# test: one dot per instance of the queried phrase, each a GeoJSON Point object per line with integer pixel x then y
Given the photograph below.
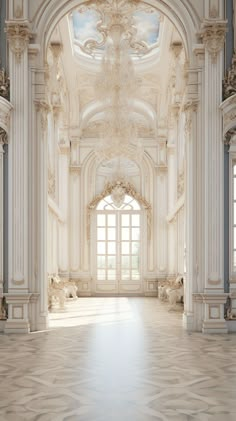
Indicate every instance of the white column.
{"type": "Point", "coordinates": [42, 213]}
{"type": "Point", "coordinates": [172, 237]}
{"type": "Point", "coordinates": [5, 108]}
{"type": "Point", "coordinates": [18, 293]}
{"type": "Point", "coordinates": [2, 141]}
{"type": "Point", "coordinates": [190, 208]}
{"type": "Point", "coordinates": [63, 182]}
{"type": "Point", "coordinates": [213, 34]}
{"type": "Point", "coordinates": [75, 218]}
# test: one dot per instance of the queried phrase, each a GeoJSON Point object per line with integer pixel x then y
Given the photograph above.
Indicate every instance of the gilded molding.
{"type": "Point", "coordinates": [18, 35]}
{"type": "Point", "coordinates": [213, 35]}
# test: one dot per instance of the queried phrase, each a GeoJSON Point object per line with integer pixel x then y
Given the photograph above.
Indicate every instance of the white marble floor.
{"type": "Point", "coordinates": [117, 359]}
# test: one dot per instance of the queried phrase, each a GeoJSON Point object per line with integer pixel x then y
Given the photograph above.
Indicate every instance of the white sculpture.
{"type": "Point", "coordinates": [172, 291]}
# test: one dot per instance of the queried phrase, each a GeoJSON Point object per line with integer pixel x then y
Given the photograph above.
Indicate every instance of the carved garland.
{"type": "Point", "coordinates": [130, 190]}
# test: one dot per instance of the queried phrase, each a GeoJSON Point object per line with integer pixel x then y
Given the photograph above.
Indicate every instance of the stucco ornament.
{"type": "Point", "coordinates": [213, 36]}
{"type": "Point", "coordinates": [229, 83]}
{"type": "Point", "coordinates": [116, 13]}
{"type": "Point", "coordinates": [18, 35]}
{"type": "Point", "coordinates": [118, 194]}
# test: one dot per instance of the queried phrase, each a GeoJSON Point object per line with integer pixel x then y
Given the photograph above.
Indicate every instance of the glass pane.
{"type": "Point", "coordinates": [111, 220]}
{"type": "Point", "coordinates": [135, 205]}
{"type": "Point", "coordinates": [135, 233]}
{"type": "Point", "coordinates": [111, 262]}
{"type": "Point", "coordinates": [125, 262]}
{"type": "Point", "coordinates": [111, 234]}
{"type": "Point", "coordinates": [101, 205]}
{"type": "Point", "coordinates": [135, 262]}
{"type": "Point", "coordinates": [101, 262]}
{"type": "Point", "coordinates": [125, 248]}
{"type": "Point", "coordinates": [234, 169]}
{"type": "Point", "coordinates": [127, 207]}
{"type": "Point", "coordinates": [101, 220]}
{"type": "Point", "coordinates": [135, 275]}
{"type": "Point", "coordinates": [135, 220]}
{"type": "Point", "coordinates": [101, 234]}
{"type": "Point", "coordinates": [135, 248]}
{"type": "Point", "coordinates": [125, 275]}
{"type": "Point", "coordinates": [109, 207]}
{"type": "Point", "coordinates": [101, 275]}
{"type": "Point", "coordinates": [125, 220]}
{"type": "Point", "coordinates": [125, 233]}
{"type": "Point", "coordinates": [234, 259]}
{"type": "Point", "coordinates": [101, 248]}
{"type": "Point", "coordinates": [111, 248]}
{"type": "Point", "coordinates": [128, 199]}
{"type": "Point", "coordinates": [111, 275]}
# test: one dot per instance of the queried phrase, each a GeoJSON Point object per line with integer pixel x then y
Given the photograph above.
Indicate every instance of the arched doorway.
{"type": "Point", "coordinates": [119, 229]}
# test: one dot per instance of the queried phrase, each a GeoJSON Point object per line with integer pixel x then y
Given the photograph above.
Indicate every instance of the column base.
{"type": "Point", "coordinates": [42, 323]}
{"type": "Point", "coordinates": [16, 326]}
{"type": "Point", "coordinates": [188, 322]}
{"type": "Point", "coordinates": [217, 326]}
{"type": "Point", "coordinates": [18, 312]}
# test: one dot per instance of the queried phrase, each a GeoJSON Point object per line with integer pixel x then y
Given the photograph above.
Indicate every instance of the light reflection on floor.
{"type": "Point", "coordinates": [84, 311]}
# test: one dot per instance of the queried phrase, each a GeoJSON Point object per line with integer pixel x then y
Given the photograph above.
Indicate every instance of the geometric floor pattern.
{"type": "Point", "coordinates": [117, 359]}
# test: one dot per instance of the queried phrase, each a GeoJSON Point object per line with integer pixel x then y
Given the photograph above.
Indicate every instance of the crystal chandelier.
{"type": "Point", "coordinates": [115, 88]}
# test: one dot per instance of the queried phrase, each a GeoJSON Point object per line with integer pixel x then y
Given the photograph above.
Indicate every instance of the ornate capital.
{"type": "Point", "coordinates": [213, 36]}
{"type": "Point", "coordinates": [189, 108]}
{"type": "Point", "coordinates": [18, 35]}
{"type": "Point", "coordinates": [44, 109]}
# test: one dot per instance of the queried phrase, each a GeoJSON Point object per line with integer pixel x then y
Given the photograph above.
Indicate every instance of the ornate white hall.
{"type": "Point", "coordinates": [117, 156]}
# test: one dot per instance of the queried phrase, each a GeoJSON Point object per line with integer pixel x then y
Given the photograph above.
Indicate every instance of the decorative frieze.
{"type": "Point", "coordinates": [213, 36]}
{"type": "Point", "coordinates": [18, 35]}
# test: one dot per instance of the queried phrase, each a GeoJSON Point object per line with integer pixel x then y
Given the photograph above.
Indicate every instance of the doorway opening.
{"type": "Point", "coordinates": [118, 267]}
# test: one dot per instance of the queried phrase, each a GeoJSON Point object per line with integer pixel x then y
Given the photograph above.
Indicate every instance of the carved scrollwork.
{"type": "Point", "coordinates": [229, 83]}
{"type": "Point", "coordinates": [112, 15]}
{"type": "Point", "coordinates": [213, 36]}
{"type": "Point", "coordinates": [4, 84]}
{"type": "Point", "coordinates": [44, 109]}
{"type": "Point", "coordinates": [18, 35]}
{"type": "Point", "coordinates": [3, 137]}
{"type": "Point", "coordinates": [229, 136]}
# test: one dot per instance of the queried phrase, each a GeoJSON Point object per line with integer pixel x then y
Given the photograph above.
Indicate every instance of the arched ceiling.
{"type": "Point", "coordinates": [156, 71]}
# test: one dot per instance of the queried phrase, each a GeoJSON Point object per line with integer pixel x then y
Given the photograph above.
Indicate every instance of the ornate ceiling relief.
{"type": "Point", "coordinates": [108, 14]}
{"type": "Point", "coordinates": [18, 35]}
{"type": "Point", "coordinates": [213, 35]}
